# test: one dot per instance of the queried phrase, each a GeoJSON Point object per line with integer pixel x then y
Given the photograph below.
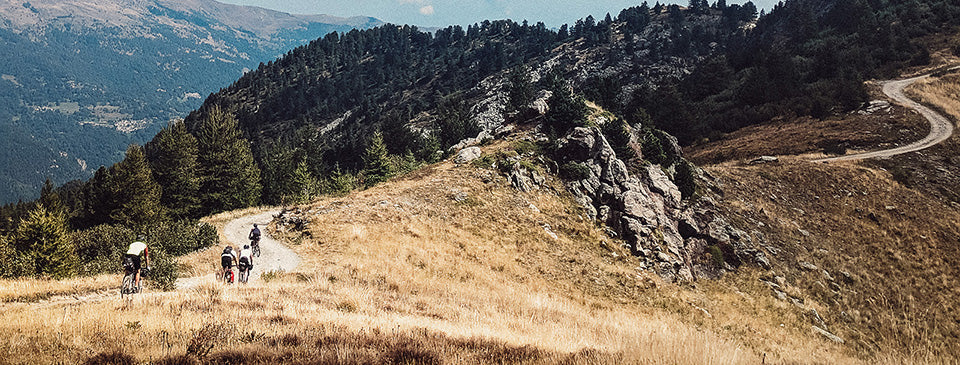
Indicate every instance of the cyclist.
{"type": "Point", "coordinates": [245, 263]}
{"type": "Point", "coordinates": [254, 237]}
{"type": "Point", "coordinates": [131, 260]}
{"type": "Point", "coordinates": [254, 234]}
{"type": "Point", "coordinates": [227, 258]}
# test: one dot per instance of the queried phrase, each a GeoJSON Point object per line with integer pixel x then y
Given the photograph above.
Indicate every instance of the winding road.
{"type": "Point", "coordinates": [941, 128]}
{"type": "Point", "coordinates": [274, 256]}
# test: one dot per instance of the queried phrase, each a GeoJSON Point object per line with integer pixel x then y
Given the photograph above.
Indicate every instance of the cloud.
{"type": "Point", "coordinates": [427, 10]}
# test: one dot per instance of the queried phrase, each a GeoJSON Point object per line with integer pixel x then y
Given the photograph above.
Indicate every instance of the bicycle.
{"type": "Point", "coordinates": [228, 275]}
{"type": "Point", "coordinates": [244, 273]}
{"type": "Point", "coordinates": [128, 285]}
{"type": "Point", "coordinates": [255, 246]}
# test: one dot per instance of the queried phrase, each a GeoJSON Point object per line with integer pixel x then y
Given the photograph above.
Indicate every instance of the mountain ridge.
{"type": "Point", "coordinates": [84, 79]}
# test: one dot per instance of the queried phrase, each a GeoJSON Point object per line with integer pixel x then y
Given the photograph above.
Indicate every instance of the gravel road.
{"type": "Point", "coordinates": [941, 128]}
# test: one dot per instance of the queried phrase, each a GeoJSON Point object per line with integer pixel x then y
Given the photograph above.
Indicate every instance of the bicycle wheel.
{"type": "Point", "coordinates": [126, 287]}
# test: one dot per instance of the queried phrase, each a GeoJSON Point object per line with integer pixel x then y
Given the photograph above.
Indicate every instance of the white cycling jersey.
{"type": "Point", "coordinates": [248, 253]}
{"type": "Point", "coordinates": [136, 248]}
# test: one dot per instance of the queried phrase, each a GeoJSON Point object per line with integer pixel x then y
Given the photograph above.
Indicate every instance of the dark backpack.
{"type": "Point", "coordinates": [128, 264]}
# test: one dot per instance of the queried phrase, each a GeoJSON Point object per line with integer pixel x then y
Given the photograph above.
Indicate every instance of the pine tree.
{"type": "Point", "coordinates": [97, 199]}
{"type": "Point", "coordinates": [566, 111]}
{"type": "Point", "coordinates": [521, 89]}
{"type": "Point", "coordinates": [376, 162]}
{"type": "Point", "coordinates": [306, 185]}
{"type": "Point", "coordinates": [137, 194]}
{"type": "Point", "coordinates": [42, 237]}
{"type": "Point", "coordinates": [50, 198]}
{"type": "Point", "coordinates": [229, 179]}
{"type": "Point", "coordinates": [173, 159]}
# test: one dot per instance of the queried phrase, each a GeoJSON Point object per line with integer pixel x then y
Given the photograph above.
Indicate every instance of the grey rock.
{"type": "Point", "coordinates": [764, 159]}
{"type": "Point", "coordinates": [780, 280]}
{"type": "Point", "coordinates": [525, 181]}
{"type": "Point", "coordinates": [603, 213]}
{"type": "Point", "coordinates": [779, 294]}
{"type": "Point", "coordinates": [832, 337]}
{"type": "Point", "coordinates": [847, 277]}
{"type": "Point", "coordinates": [467, 154]}
{"type": "Point", "coordinates": [539, 103]}
{"type": "Point", "coordinates": [759, 258]}
{"type": "Point", "coordinates": [663, 257]}
{"type": "Point", "coordinates": [808, 266]}
{"type": "Point", "coordinates": [661, 184]}
{"type": "Point", "coordinates": [816, 318]}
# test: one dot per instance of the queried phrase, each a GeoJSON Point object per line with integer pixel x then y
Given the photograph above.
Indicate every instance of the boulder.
{"type": "Point", "coordinates": [659, 183]}
{"type": "Point", "coordinates": [764, 159]}
{"type": "Point", "coordinates": [539, 103]}
{"type": "Point", "coordinates": [467, 154]}
{"type": "Point", "coordinates": [808, 266]}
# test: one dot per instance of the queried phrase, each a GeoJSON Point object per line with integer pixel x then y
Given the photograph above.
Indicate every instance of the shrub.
{"type": "Point", "coordinates": [716, 255]}
{"type": "Point", "coordinates": [43, 237]}
{"type": "Point", "coordinates": [574, 171]}
{"type": "Point", "coordinates": [652, 148]}
{"type": "Point", "coordinates": [13, 264]}
{"type": "Point", "coordinates": [618, 136]}
{"type": "Point", "coordinates": [686, 179]}
{"type": "Point", "coordinates": [163, 270]}
{"type": "Point", "coordinates": [526, 147]}
{"type": "Point", "coordinates": [182, 237]}
{"type": "Point", "coordinates": [100, 248]}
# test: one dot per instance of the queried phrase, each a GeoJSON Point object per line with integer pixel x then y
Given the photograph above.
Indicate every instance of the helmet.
{"type": "Point", "coordinates": [227, 249]}
{"type": "Point", "coordinates": [246, 246]}
{"type": "Point", "coordinates": [254, 225]}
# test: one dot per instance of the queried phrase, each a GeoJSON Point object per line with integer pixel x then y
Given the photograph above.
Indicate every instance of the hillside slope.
{"type": "Point", "coordinates": [872, 245]}
{"type": "Point", "coordinates": [447, 264]}
{"type": "Point", "coordinates": [82, 79]}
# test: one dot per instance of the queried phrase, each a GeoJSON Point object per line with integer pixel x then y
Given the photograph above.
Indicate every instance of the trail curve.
{"type": "Point", "coordinates": [941, 128]}
{"type": "Point", "coordinates": [274, 256]}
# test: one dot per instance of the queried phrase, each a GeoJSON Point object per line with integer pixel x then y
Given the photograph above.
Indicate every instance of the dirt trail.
{"type": "Point", "coordinates": [274, 256]}
{"type": "Point", "coordinates": [941, 128]}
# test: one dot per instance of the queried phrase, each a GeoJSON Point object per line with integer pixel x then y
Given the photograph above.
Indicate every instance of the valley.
{"type": "Point", "coordinates": [671, 185]}
{"type": "Point", "coordinates": [83, 80]}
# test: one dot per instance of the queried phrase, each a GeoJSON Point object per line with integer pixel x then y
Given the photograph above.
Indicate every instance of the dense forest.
{"type": "Point", "coordinates": [350, 110]}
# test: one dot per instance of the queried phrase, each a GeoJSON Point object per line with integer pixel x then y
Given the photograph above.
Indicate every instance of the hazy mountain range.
{"type": "Point", "coordinates": [80, 80]}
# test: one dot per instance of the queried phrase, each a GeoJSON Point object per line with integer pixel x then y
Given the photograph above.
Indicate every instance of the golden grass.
{"type": "Point", "coordinates": [438, 267]}
{"type": "Point", "coordinates": [31, 290]}
{"type": "Point", "coordinates": [898, 244]}
{"type": "Point", "coordinates": [941, 92]}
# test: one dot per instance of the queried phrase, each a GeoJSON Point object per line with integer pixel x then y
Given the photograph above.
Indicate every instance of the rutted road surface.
{"type": "Point", "coordinates": [274, 256]}
{"type": "Point", "coordinates": [941, 128]}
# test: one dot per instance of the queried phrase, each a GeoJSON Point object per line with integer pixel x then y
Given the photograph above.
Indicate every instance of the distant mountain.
{"type": "Point", "coordinates": [80, 79]}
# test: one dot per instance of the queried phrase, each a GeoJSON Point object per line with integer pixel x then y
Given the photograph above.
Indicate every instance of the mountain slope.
{"type": "Point", "coordinates": [83, 79]}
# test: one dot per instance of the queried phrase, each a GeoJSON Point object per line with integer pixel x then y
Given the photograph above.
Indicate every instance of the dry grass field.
{"type": "Point", "coordinates": [435, 267]}
{"type": "Point", "coordinates": [886, 257]}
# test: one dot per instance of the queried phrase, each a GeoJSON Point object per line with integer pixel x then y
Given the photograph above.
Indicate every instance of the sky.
{"type": "Point", "coordinates": [441, 13]}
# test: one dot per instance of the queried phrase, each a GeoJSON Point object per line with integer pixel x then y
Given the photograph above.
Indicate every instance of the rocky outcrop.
{"type": "Point", "coordinates": [467, 154]}
{"type": "Point", "coordinates": [645, 208]}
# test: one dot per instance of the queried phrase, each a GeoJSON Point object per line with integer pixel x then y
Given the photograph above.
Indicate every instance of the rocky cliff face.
{"type": "Point", "coordinates": [680, 240]}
